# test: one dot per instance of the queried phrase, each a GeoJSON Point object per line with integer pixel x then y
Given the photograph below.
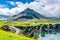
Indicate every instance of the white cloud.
{"type": "Point", "coordinates": [12, 3]}
{"type": "Point", "coordinates": [51, 8]}
{"type": "Point", "coordinates": [4, 11]}
{"type": "Point", "coordinates": [20, 7]}
{"type": "Point", "coordinates": [48, 8]}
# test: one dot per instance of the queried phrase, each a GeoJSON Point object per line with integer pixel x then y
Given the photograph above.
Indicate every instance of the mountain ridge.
{"type": "Point", "coordinates": [27, 14]}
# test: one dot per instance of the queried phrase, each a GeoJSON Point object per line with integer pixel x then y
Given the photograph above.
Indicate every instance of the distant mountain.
{"type": "Point", "coordinates": [3, 17]}
{"type": "Point", "coordinates": [27, 14]}
{"type": "Point", "coordinates": [31, 14]}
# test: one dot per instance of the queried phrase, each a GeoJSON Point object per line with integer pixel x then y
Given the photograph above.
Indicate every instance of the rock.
{"type": "Point", "coordinates": [6, 28]}
{"type": "Point", "coordinates": [15, 30]}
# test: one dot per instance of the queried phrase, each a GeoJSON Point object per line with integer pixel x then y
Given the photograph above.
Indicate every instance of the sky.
{"type": "Point", "coordinates": [48, 8]}
{"type": "Point", "coordinates": [8, 4]}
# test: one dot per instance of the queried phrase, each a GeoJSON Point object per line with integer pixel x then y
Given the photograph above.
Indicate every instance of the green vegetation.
{"type": "Point", "coordinates": [10, 36]}
{"type": "Point", "coordinates": [33, 22]}
{"type": "Point", "coordinates": [25, 24]}
{"type": "Point", "coordinates": [2, 23]}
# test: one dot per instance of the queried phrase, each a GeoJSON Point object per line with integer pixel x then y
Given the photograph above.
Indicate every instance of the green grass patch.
{"type": "Point", "coordinates": [11, 36]}
{"type": "Point", "coordinates": [33, 22]}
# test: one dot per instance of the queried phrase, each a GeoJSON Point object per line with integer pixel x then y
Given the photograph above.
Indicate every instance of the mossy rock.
{"type": "Point", "coordinates": [43, 34]}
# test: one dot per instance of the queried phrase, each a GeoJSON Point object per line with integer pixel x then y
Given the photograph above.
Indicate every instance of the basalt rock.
{"type": "Point", "coordinates": [6, 28]}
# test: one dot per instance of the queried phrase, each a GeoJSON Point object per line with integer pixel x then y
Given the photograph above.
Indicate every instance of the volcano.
{"type": "Point", "coordinates": [27, 14]}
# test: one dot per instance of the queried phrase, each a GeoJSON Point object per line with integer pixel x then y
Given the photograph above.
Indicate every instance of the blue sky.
{"type": "Point", "coordinates": [23, 1]}
{"type": "Point", "coordinates": [48, 8]}
{"type": "Point", "coordinates": [6, 2]}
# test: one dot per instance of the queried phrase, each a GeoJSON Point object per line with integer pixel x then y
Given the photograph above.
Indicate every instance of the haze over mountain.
{"type": "Point", "coordinates": [4, 17]}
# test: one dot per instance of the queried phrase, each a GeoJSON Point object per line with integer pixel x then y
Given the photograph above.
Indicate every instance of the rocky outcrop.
{"type": "Point", "coordinates": [15, 30]}
{"type": "Point", "coordinates": [11, 29]}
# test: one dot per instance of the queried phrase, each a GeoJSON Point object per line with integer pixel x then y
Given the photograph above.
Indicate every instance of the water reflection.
{"type": "Point", "coordinates": [50, 37]}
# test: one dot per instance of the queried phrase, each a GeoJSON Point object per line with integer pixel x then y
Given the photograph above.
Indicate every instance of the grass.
{"type": "Point", "coordinates": [35, 22]}
{"type": "Point", "coordinates": [2, 23]}
{"type": "Point", "coordinates": [29, 22]}
{"type": "Point", "coordinates": [10, 36]}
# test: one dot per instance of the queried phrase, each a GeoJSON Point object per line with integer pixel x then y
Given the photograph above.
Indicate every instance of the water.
{"type": "Point", "coordinates": [50, 37]}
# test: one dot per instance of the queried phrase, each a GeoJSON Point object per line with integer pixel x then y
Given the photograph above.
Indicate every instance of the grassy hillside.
{"type": "Point", "coordinates": [30, 23]}
{"type": "Point", "coordinates": [10, 36]}
{"type": "Point", "coordinates": [33, 22]}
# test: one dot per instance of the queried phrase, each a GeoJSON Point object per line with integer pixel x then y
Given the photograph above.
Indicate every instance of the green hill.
{"type": "Point", "coordinates": [10, 36]}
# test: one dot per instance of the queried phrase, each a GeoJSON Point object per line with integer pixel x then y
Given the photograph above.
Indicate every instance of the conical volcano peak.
{"type": "Point", "coordinates": [27, 14]}
{"type": "Point", "coordinates": [28, 9]}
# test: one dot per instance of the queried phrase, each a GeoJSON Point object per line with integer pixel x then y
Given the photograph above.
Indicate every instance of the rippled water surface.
{"type": "Point", "coordinates": [50, 37]}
